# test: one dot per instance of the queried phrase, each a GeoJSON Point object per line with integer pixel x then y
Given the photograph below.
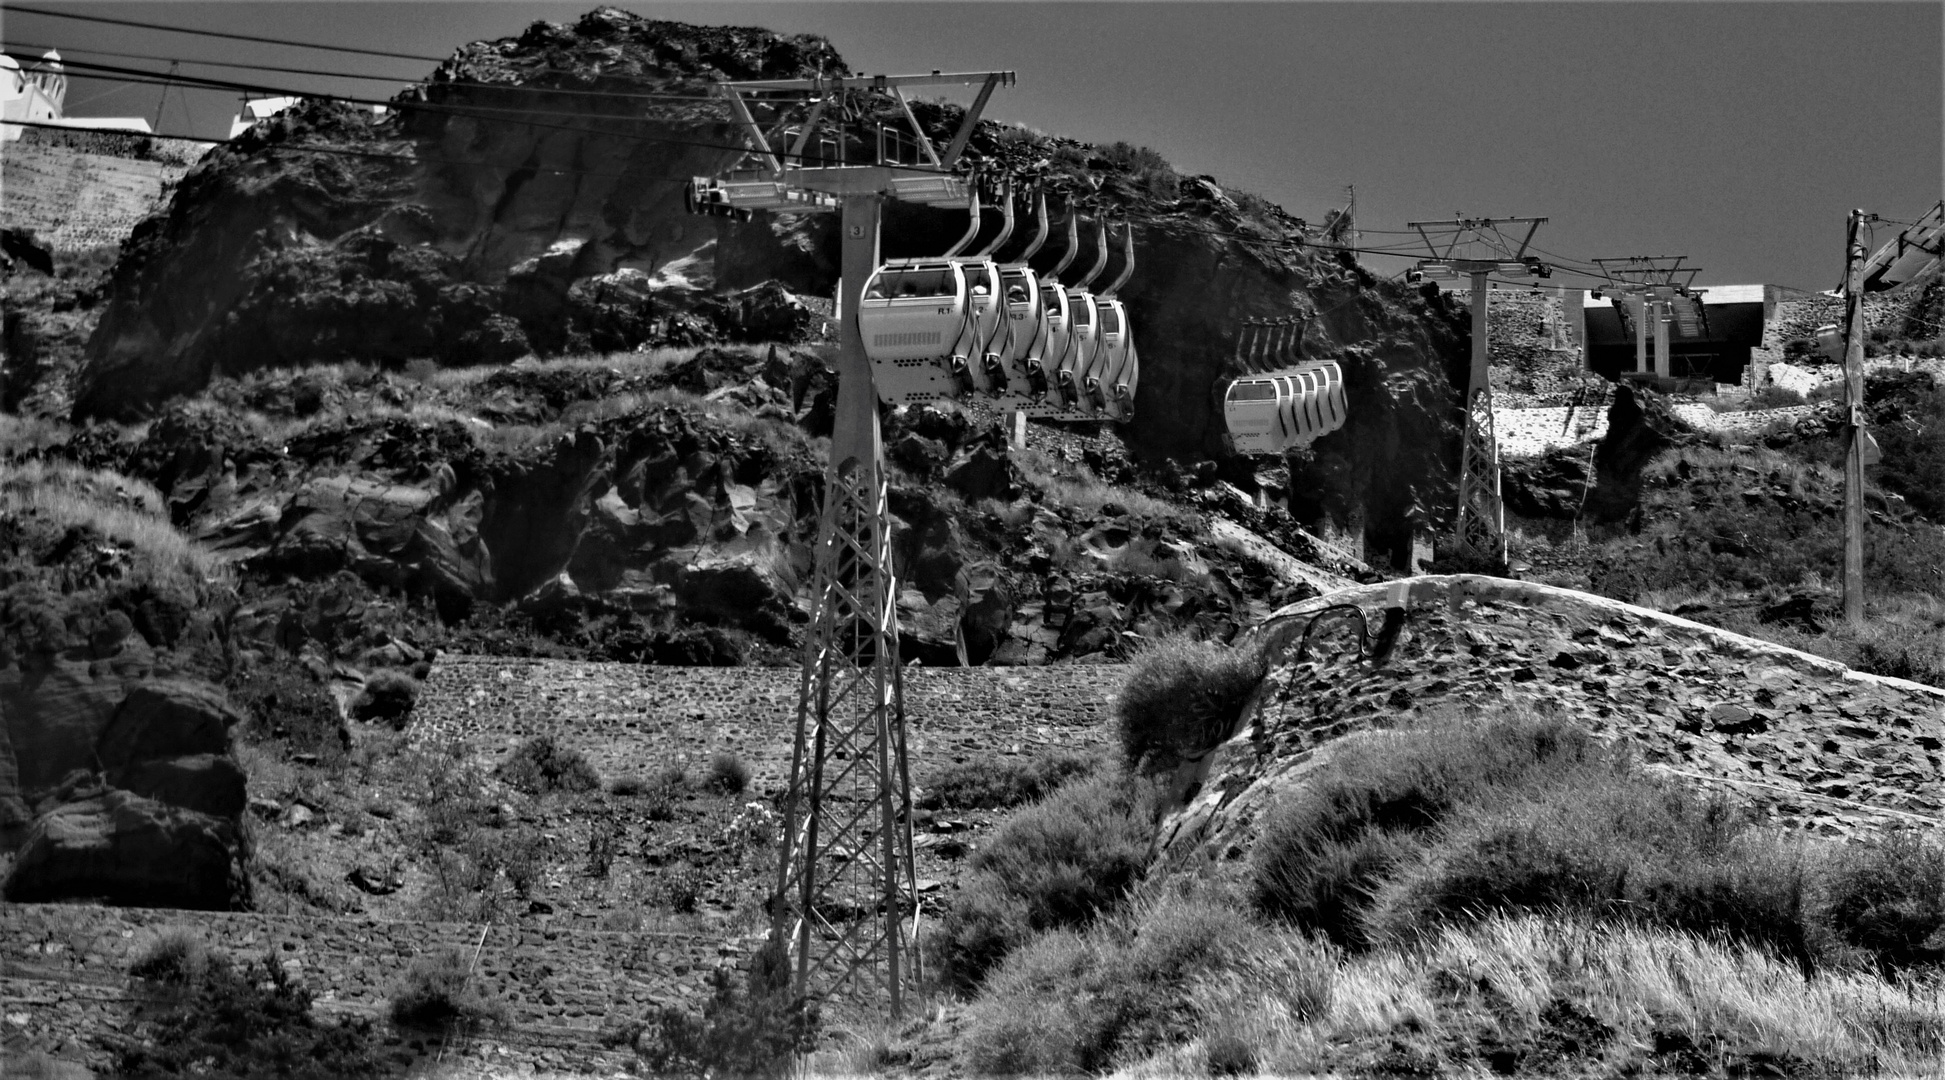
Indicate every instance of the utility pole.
{"type": "Point", "coordinates": [845, 906]}
{"type": "Point", "coordinates": [1854, 255]}
{"type": "Point", "coordinates": [1481, 525]}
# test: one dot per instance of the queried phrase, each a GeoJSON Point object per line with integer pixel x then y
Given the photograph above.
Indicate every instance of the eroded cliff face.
{"type": "Point", "coordinates": [443, 231]}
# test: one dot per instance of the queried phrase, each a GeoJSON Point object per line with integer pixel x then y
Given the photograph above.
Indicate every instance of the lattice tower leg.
{"type": "Point", "coordinates": [1482, 517]}
{"type": "Point", "coordinates": [845, 906]}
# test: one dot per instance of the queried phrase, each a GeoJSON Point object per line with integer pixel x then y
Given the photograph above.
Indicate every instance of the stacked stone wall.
{"type": "Point", "coordinates": [76, 199]}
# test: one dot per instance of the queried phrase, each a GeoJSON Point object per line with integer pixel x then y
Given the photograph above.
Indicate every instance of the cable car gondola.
{"type": "Point", "coordinates": [1111, 380]}
{"type": "Point", "coordinates": [929, 322]}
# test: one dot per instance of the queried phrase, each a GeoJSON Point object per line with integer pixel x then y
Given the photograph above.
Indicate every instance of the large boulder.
{"type": "Point", "coordinates": [211, 784]}
{"type": "Point", "coordinates": [120, 848]}
{"type": "Point", "coordinates": [165, 718]}
{"type": "Point", "coordinates": [51, 716]}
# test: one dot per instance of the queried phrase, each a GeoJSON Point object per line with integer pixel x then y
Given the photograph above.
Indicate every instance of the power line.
{"type": "Point", "coordinates": [224, 34]}
{"type": "Point", "coordinates": [473, 112]}
{"type": "Point", "coordinates": [415, 80]}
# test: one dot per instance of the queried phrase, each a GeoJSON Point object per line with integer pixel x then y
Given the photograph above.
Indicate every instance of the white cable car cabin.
{"type": "Point", "coordinates": [1110, 381]}
{"type": "Point", "coordinates": [1271, 412]}
{"type": "Point", "coordinates": [1077, 362]}
{"type": "Point", "coordinates": [917, 322]}
{"type": "Point", "coordinates": [1020, 292]}
{"type": "Point", "coordinates": [1049, 345]}
{"type": "Point", "coordinates": [989, 323]}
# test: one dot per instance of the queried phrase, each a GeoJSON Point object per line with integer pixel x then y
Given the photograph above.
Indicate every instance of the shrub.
{"type": "Point", "coordinates": [1775, 397]}
{"type": "Point", "coordinates": [1323, 853]}
{"type": "Point", "coordinates": [728, 775]}
{"type": "Point", "coordinates": [286, 703]}
{"type": "Point", "coordinates": [389, 696]}
{"type": "Point", "coordinates": [1056, 863]}
{"type": "Point", "coordinates": [628, 787]}
{"type": "Point", "coordinates": [754, 1031]}
{"type": "Point", "coordinates": [1611, 844]}
{"type": "Point", "coordinates": [231, 1024]}
{"type": "Point", "coordinates": [1084, 1001]}
{"type": "Point", "coordinates": [539, 767]}
{"type": "Point", "coordinates": [682, 887]}
{"type": "Point", "coordinates": [1183, 698]}
{"type": "Point", "coordinates": [999, 783]}
{"type": "Point", "coordinates": [437, 993]}
{"type": "Point", "coordinates": [175, 956]}
{"type": "Point", "coordinates": [1885, 898]}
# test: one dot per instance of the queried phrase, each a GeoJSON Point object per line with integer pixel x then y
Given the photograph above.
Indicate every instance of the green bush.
{"type": "Point", "coordinates": [754, 1031]}
{"type": "Point", "coordinates": [1884, 897]}
{"type": "Point", "coordinates": [284, 702]}
{"type": "Point", "coordinates": [1183, 698]}
{"type": "Point", "coordinates": [1324, 853]}
{"type": "Point", "coordinates": [1775, 397]}
{"type": "Point", "coordinates": [1056, 863]}
{"type": "Point", "coordinates": [248, 1024]}
{"type": "Point", "coordinates": [539, 767]}
{"type": "Point", "coordinates": [1457, 819]}
{"type": "Point", "coordinates": [728, 775]}
{"type": "Point", "coordinates": [437, 994]}
{"type": "Point", "coordinates": [1610, 844]}
{"type": "Point", "coordinates": [1086, 1001]}
{"type": "Point", "coordinates": [389, 696]}
{"type": "Point", "coordinates": [175, 956]}
{"type": "Point", "coordinates": [999, 783]}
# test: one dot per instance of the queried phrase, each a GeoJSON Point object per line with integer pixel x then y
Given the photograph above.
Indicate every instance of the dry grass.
{"type": "Point", "coordinates": [26, 434]}
{"type": "Point", "coordinates": [1638, 981]}
{"type": "Point", "coordinates": [118, 507]}
{"type": "Point", "coordinates": [647, 362]}
{"type": "Point", "coordinates": [1076, 486]}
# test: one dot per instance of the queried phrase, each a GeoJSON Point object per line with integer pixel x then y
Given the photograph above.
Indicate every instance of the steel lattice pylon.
{"type": "Point", "coordinates": [1482, 517]}
{"type": "Point", "coordinates": [845, 888]}
{"type": "Point", "coordinates": [845, 904]}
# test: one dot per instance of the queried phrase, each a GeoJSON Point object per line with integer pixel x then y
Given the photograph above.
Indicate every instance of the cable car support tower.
{"type": "Point", "coordinates": [845, 905]}
{"type": "Point", "coordinates": [1481, 526]}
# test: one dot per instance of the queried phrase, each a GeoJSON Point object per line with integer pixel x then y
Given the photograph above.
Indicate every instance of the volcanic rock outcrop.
{"type": "Point", "coordinates": [1807, 741]}
{"type": "Point", "coordinates": [459, 230]}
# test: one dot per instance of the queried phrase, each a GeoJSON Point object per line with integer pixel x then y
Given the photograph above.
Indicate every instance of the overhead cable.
{"type": "Point", "coordinates": [477, 112]}
{"type": "Point", "coordinates": [24, 9]}
{"type": "Point", "coordinates": [413, 80]}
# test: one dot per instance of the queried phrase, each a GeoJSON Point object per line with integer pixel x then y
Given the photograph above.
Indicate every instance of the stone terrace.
{"type": "Point", "coordinates": [630, 719]}
{"type": "Point", "coordinates": [61, 966]}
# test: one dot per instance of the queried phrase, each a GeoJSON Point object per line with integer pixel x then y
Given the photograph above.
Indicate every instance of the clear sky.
{"type": "Point", "coordinates": [1738, 134]}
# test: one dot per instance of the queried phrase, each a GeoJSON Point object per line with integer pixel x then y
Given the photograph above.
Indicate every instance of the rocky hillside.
{"type": "Point", "coordinates": [455, 231]}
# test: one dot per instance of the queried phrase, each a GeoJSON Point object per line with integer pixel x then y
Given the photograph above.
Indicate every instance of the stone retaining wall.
{"type": "Point", "coordinates": [74, 201]}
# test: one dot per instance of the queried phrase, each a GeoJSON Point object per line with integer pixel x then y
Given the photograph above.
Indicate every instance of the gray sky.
{"type": "Point", "coordinates": [1739, 134]}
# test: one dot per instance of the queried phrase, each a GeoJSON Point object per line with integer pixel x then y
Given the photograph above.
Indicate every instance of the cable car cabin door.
{"type": "Point", "coordinates": [988, 315]}
{"type": "Point", "coordinates": [1079, 358]}
{"type": "Point", "coordinates": [914, 318]}
{"type": "Point", "coordinates": [1043, 360]}
{"type": "Point", "coordinates": [1253, 410]}
{"type": "Point", "coordinates": [1025, 329]}
{"type": "Point", "coordinates": [1110, 355]}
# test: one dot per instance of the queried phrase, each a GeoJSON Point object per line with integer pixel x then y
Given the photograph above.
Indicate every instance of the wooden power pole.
{"type": "Point", "coordinates": [1854, 255]}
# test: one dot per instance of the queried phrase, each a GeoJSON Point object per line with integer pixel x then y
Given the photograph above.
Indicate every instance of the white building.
{"type": "Point", "coordinates": [37, 93]}
{"type": "Point", "coordinates": [255, 109]}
